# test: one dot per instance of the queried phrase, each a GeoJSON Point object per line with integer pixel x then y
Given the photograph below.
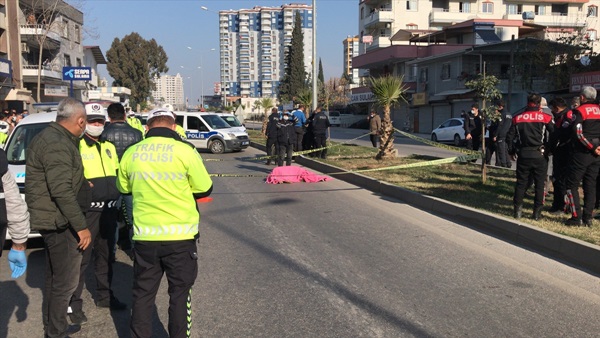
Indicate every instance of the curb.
{"type": "Point", "coordinates": [570, 250]}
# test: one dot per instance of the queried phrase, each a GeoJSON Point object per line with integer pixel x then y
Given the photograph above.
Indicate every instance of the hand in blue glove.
{"type": "Point", "coordinates": [18, 262]}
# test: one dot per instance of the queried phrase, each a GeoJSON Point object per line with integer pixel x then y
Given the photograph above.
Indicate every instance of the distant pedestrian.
{"type": "Point", "coordinates": [529, 131]}
{"type": "Point", "coordinates": [374, 128]}
{"type": "Point", "coordinates": [320, 126]}
{"type": "Point", "coordinates": [165, 175]}
{"type": "Point", "coordinates": [271, 134]}
{"type": "Point", "coordinates": [58, 195]}
{"type": "Point", "coordinates": [585, 163]}
{"type": "Point", "coordinates": [286, 138]}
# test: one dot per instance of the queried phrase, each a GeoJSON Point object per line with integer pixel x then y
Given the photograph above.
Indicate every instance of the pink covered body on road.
{"type": "Point", "coordinates": [292, 174]}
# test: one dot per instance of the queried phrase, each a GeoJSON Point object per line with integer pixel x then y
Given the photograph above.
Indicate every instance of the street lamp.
{"type": "Point", "coordinates": [221, 68]}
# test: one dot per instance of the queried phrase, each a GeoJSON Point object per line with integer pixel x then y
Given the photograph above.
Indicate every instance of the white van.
{"type": "Point", "coordinates": [211, 132]}
{"type": "Point", "coordinates": [334, 118]}
{"type": "Point", "coordinates": [233, 121]}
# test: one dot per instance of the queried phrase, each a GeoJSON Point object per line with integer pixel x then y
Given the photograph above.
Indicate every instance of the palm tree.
{"type": "Point", "coordinates": [266, 103]}
{"type": "Point", "coordinates": [388, 91]}
{"type": "Point", "coordinates": [305, 97]}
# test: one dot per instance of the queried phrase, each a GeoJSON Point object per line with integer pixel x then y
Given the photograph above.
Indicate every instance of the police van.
{"type": "Point", "coordinates": [209, 131]}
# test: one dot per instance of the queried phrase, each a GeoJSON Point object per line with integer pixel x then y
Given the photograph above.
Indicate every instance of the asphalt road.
{"type": "Point", "coordinates": [332, 260]}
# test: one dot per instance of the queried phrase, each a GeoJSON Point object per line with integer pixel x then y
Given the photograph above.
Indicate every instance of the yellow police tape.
{"type": "Point", "coordinates": [464, 158]}
{"type": "Point", "coordinates": [304, 152]}
{"type": "Point", "coordinates": [438, 145]}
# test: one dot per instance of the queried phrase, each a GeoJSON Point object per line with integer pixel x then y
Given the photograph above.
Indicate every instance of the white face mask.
{"type": "Point", "coordinates": [286, 117]}
{"type": "Point", "coordinates": [94, 131]}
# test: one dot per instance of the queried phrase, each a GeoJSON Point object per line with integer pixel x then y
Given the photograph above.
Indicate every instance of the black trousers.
{"type": "Point", "coordinates": [272, 144]}
{"type": "Point", "coordinates": [285, 150]}
{"type": "Point", "coordinates": [299, 137]}
{"type": "Point", "coordinates": [560, 171]}
{"type": "Point", "coordinates": [473, 143]}
{"type": "Point", "coordinates": [103, 227]}
{"type": "Point", "coordinates": [490, 149]}
{"type": "Point", "coordinates": [321, 141]}
{"type": "Point", "coordinates": [502, 156]}
{"type": "Point", "coordinates": [63, 261]}
{"type": "Point", "coordinates": [179, 260]}
{"type": "Point", "coordinates": [535, 168]}
{"type": "Point", "coordinates": [583, 167]}
{"type": "Point", "coordinates": [374, 139]}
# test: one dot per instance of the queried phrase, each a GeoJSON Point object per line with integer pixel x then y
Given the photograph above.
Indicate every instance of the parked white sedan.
{"type": "Point", "coordinates": [451, 131]}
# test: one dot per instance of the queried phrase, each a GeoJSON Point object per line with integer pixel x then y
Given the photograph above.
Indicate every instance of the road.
{"type": "Point", "coordinates": [332, 260]}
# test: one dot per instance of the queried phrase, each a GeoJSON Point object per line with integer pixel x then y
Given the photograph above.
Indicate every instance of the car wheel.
{"type": "Point", "coordinates": [434, 137]}
{"type": "Point", "coordinates": [457, 140]}
{"type": "Point", "coordinates": [217, 147]}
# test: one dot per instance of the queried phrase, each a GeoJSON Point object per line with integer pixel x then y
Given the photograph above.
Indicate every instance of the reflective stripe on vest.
{"type": "Point", "coordinates": [173, 231]}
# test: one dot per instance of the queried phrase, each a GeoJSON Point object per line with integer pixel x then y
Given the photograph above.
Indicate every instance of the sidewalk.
{"type": "Point", "coordinates": [569, 250]}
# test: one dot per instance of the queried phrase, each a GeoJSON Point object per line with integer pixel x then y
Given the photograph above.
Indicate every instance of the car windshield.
{"type": "Point", "coordinates": [215, 122]}
{"type": "Point", "coordinates": [20, 140]}
{"type": "Point", "coordinates": [232, 120]}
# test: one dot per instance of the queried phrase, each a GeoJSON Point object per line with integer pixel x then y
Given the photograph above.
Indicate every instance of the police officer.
{"type": "Point", "coordinates": [100, 164]}
{"type": "Point", "coordinates": [165, 175]}
{"type": "Point", "coordinates": [271, 134]}
{"type": "Point", "coordinates": [320, 124]}
{"type": "Point", "coordinates": [530, 129]}
{"type": "Point", "coordinates": [560, 146]}
{"type": "Point", "coordinates": [585, 163]}
{"type": "Point", "coordinates": [286, 138]}
{"type": "Point", "coordinates": [503, 128]}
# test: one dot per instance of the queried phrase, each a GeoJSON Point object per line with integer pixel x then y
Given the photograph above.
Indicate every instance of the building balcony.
{"type": "Point", "coordinates": [51, 74]}
{"type": "Point", "coordinates": [379, 17]}
{"type": "Point", "coordinates": [224, 25]}
{"type": "Point", "coordinates": [444, 16]}
{"type": "Point", "coordinates": [379, 42]}
{"type": "Point", "coordinates": [31, 34]}
{"type": "Point", "coordinates": [561, 20]}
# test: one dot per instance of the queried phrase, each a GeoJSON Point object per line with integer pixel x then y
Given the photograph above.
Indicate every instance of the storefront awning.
{"type": "Point", "coordinates": [454, 92]}
{"type": "Point", "coordinates": [19, 95]}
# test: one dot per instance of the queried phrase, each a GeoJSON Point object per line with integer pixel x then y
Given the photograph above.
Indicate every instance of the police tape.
{"type": "Point", "coordinates": [457, 159]}
{"type": "Point", "coordinates": [303, 152]}
{"type": "Point", "coordinates": [438, 145]}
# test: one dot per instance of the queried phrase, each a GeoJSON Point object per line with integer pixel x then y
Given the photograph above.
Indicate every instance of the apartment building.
{"type": "Point", "coordinates": [253, 47]}
{"type": "Point", "coordinates": [390, 22]}
{"type": "Point", "coordinates": [351, 49]}
{"type": "Point", "coordinates": [169, 90]}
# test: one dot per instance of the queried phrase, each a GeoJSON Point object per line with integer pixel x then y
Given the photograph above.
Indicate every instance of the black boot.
{"type": "Point", "coordinates": [518, 212]}
{"type": "Point", "coordinates": [537, 213]}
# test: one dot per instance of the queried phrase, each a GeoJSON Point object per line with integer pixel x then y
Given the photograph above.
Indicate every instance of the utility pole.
{"type": "Point", "coordinates": [314, 56]}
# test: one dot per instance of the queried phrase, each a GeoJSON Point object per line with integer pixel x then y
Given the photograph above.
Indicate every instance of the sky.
{"type": "Point", "coordinates": [188, 34]}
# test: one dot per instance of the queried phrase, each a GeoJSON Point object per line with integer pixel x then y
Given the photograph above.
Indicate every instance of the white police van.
{"type": "Point", "coordinates": [211, 132]}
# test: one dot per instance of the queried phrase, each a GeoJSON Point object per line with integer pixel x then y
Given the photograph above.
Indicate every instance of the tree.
{"type": "Point", "coordinates": [134, 62]}
{"type": "Point", "coordinates": [305, 97]}
{"type": "Point", "coordinates": [266, 103]}
{"type": "Point", "coordinates": [388, 91]}
{"type": "Point", "coordinates": [486, 90]}
{"type": "Point", "coordinates": [294, 77]}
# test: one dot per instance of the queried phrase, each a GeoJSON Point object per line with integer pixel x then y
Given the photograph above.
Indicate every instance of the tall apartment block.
{"type": "Point", "coordinates": [351, 49]}
{"type": "Point", "coordinates": [169, 89]}
{"type": "Point", "coordinates": [393, 22]}
{"type": "Point", "coordinates": [253, 47]}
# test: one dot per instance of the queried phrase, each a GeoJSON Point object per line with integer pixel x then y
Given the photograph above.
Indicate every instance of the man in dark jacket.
{"type": "Point", "coordinates": [57, 193]}
{"type": "Point", "coordinates": [118, 132]}
{"type": "Point", "coordinates": [320, 125]}
{"type": "Point", "coordinates": [502, 157]}
{"type": "Point", "coordinates": [286, 138]}
{"type": "Point", "coordinates": [560, 147]}
{"type": "Point", "coordinates": [122, 136]}
{"type": "Point", "coordinates": [271, 134]}
{"type": "Point", "coordinates": [472, 128]}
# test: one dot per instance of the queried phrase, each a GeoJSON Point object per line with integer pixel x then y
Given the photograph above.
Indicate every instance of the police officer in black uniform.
{"type": "Point", "coordinates": [502, 157]}
{"type": "Point", "coordinates": [472, 126]}
{"type": "Point", "coordinates": [320, 125]}
{"type": "Point", "coordinates": [560, 147]}
{"type": "Point", "coordinates": [585, 163]}
{"type": "Point", "coordinates": [530, 129]}
{"type": "Point", "coordinates": [271, 134]}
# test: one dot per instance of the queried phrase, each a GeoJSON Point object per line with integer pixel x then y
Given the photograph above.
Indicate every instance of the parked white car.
{"type": "Point", "coordinates": [451, 131]}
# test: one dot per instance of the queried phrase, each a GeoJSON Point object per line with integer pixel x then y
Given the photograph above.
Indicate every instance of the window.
{"type": "Point", "coordinates": [464, 7]}
{"type": "Point", "coordinates": [194, 123]}
{"type": "Point", "coordinates": [593, 11]}
{"type": "Point", "coordinates": [79, 64]}
{"type": "Point", "coordinates": [591, 35]}
{"type": "Point", "coordinates": [77, 34]}
{"type": "Point", "coordinates": [65, 28]}
{"type": "Point", "coordinates": [487, 7]}
{"type": "Point", "coordinates": [514, 9]}
{"type": "Point", "coordinates": [411, 5]}
{"type": "Point", "coordinates": [424, 76]}
{"type": "Point", "coordinates": [445, 71]}
{"type": "Point", "coordinates": [67, 61]}
{"type": "Point", "coordinates": [362, 13]}
{"type": "Point", "coordinates": [412, 26]}
{"type": "Point", "coordinates": [540, 10]}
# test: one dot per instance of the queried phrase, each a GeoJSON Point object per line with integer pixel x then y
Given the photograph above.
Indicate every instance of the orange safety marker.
{"type": "Point", "coordinates": [204, 200]}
